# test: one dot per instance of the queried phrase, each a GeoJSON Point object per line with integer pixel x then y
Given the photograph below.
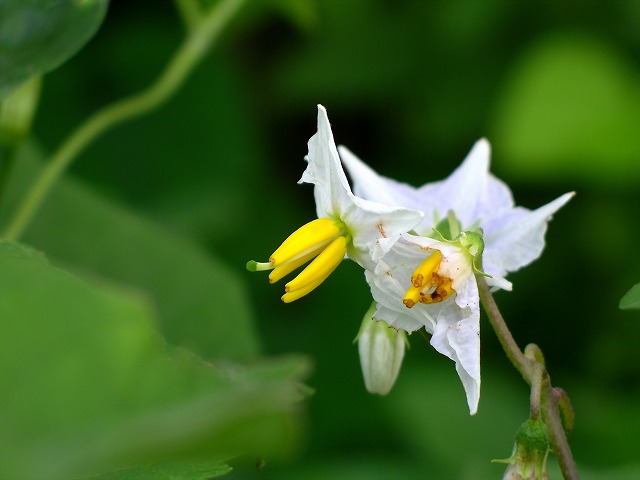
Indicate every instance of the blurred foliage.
{"type": "Point", "coordinates": [37, 36]}
{"type": "Point", "coordinates": [169, 207]}
{"type": "Point", "coordinates": [87, 383]}
{"type": "Point", "coordinates": [631, 299]}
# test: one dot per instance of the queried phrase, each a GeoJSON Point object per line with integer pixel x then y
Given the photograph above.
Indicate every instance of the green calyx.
{"type": "Point", "coordinates": [449, 230]}
{"type": "Point", "coordinates": [533, 436]}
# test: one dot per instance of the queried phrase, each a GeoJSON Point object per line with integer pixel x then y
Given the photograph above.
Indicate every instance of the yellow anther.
{"type": "Point", "coordinates": [323, 238]}
{"type": "Point", "coordinates": [427, 286]}
{"type": "Point", "coordinates": [309, 237]}
{"type": "Point", "coordinates": [424, 273]}
{"type": "Point", "coordinates": [442, 292]}
{"type": "Point", "coordinates": [411, 297]}
{"type": "Point", "coordinates": [288, 267]}
{"type": "Point", "coordinates": [296, 294]}
{"type": "Point", "coordinates": [321, 267]}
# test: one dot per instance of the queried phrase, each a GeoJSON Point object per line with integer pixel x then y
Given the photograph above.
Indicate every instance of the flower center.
{"type": "Point", "coordinates": [427, 285]}
{"type": "Point", "coordinates": [323, 240]}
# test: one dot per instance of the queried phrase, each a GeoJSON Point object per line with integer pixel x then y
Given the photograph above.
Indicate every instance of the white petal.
{"type": "Point", "coordinates": [388, 287]}
{"type": "Point", "coordinates": [459, 339]}
{"type": "Point", "coordinates": [457, 319]}
{"type": "Point", "coordinates": [369, 185]}
{"type": "Point", "coordinates": [516, 238]}
{"type": "Point", "coordinates": [470, 191]}
{"type": "Point", "coordinates": [332, 192]}
{"type": "Point", "coordinates": [374, 226]}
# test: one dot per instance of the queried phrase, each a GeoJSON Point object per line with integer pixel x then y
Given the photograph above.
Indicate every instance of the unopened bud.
{"type": "Point", "coordinates": [530, 452]}
{"type": "Point", "coordinates": [381, 352]}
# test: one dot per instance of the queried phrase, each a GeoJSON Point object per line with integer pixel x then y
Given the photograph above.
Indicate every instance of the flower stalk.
{"type": "Point", "coordinates": [545, 399]}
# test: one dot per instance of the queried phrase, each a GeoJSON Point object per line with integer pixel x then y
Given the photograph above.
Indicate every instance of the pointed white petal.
{"type": "Point", "coordinates": [374, 226]}
{"type": "Point", "coordinates": [516, 238]}
{"type": "Point", "coordinates": [369, 185]}
{"type": "Point", "coordinates": [459, 339]}
{"type": "Point", "coordinates": [470, 191]}
{"type": "Point", "coordinates": [332, 192]}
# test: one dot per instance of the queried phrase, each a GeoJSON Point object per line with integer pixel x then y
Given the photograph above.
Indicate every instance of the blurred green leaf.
{"type": "Point", "coordinates": [170, 471]}
{"type": "Point", "coordinates": [38, 35]}
{"type": "Point", "coordinates": [201, 303]}
{"type": "Point", "coordinates": [631, 299]}
{"type": "Point", "coordinates": [571, 109]}
{"type": "Point", "coordinates": [88, 385]}
{"type": "Point", "coordinates": [302, 13]}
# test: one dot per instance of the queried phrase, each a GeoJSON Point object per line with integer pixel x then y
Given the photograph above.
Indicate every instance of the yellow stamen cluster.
{"type": "Point", "coordinates": [427, 286]}
{"type": "Point", "coordinates": [323, 240]}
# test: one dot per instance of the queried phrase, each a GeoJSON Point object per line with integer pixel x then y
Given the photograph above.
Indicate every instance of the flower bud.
{"type": "Point", "coordinates": [530, 452]}
{"type": "Point", "coordinates": [381, 352]}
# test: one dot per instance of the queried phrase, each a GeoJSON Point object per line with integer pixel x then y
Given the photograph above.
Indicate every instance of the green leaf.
{"type": "Point", "coordinates": [89, 387]}
{"type": "Point", "coordinates": [631, 299]}
{"type": "Point", "coordinates": [38, 35]}
{"type": "Point", "coordinates": [170, 471]}
{"type": "Point", "coordinates": [570, 111]}
{"type": "Point", "coordinates": [201, 302]}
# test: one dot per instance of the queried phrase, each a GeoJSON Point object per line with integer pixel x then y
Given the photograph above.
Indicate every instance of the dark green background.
{"type": "Point", "coordinates": [409, 87]}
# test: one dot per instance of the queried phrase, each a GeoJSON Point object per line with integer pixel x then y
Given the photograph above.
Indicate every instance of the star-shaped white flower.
{"type": "Point", "coordinates": [364, 230]}
{"type": "Point", "coordinates": [430, 282]}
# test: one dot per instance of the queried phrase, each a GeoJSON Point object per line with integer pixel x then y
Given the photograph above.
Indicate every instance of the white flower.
{"type": "Point", "coordinates": [364, 230]}
{"type": "Point", "coordinates": [430, 282]}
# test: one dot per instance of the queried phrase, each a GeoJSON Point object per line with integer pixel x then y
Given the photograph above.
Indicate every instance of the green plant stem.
{"type": "Point", "coordinates": [535, 400]}
{"type": "Point", "coordinates": [535, 374]}
{"type": "Point", "coordinates": [551, 417]}
{"type": "Point", "coordinates": [515, 355]}
{"type": "Point", "coordinates": [534, 354]}
{"type": "Point", "coordinates": [195, 46]}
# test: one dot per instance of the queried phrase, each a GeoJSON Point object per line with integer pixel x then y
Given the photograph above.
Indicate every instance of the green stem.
{"type": "Point", "coordinates": [534, 354]}
{"type": "Point", "coordinates": [509, 345]}
{"type": "Point", "coordinates": [532, 368]}
{"type": "Point", "coordinates": [551, 416]}
{"type": "Point", "coordinates": [195, 46]}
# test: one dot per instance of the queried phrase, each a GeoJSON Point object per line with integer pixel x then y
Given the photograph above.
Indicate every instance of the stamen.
{"type": "Point", "coordinates": [423, 274]}
{"type": "Point", "coordinates": [313, 234]}
{"type": "Point", "coordinates": [323, 238]}
{"type": "Point", "coordinates": [442, 292]}
{"type": "Point", "coordinates": [288, 267]}
{"type": "Point", "coordinates": [321, 267]}
{"type": "Point", "coordinates": [427, 286]}
{"type": "Point", "coordinates": [411, 297]}
{"type": "Point", "coordinates": [296, 294]}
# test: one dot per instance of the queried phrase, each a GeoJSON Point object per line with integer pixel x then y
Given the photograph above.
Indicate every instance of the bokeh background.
{"type": "Point", "coordinates": [409, 86]}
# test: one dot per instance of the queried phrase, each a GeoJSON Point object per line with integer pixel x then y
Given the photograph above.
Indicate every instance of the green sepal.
{"type": "Point", "coordinates": [470, 240]}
